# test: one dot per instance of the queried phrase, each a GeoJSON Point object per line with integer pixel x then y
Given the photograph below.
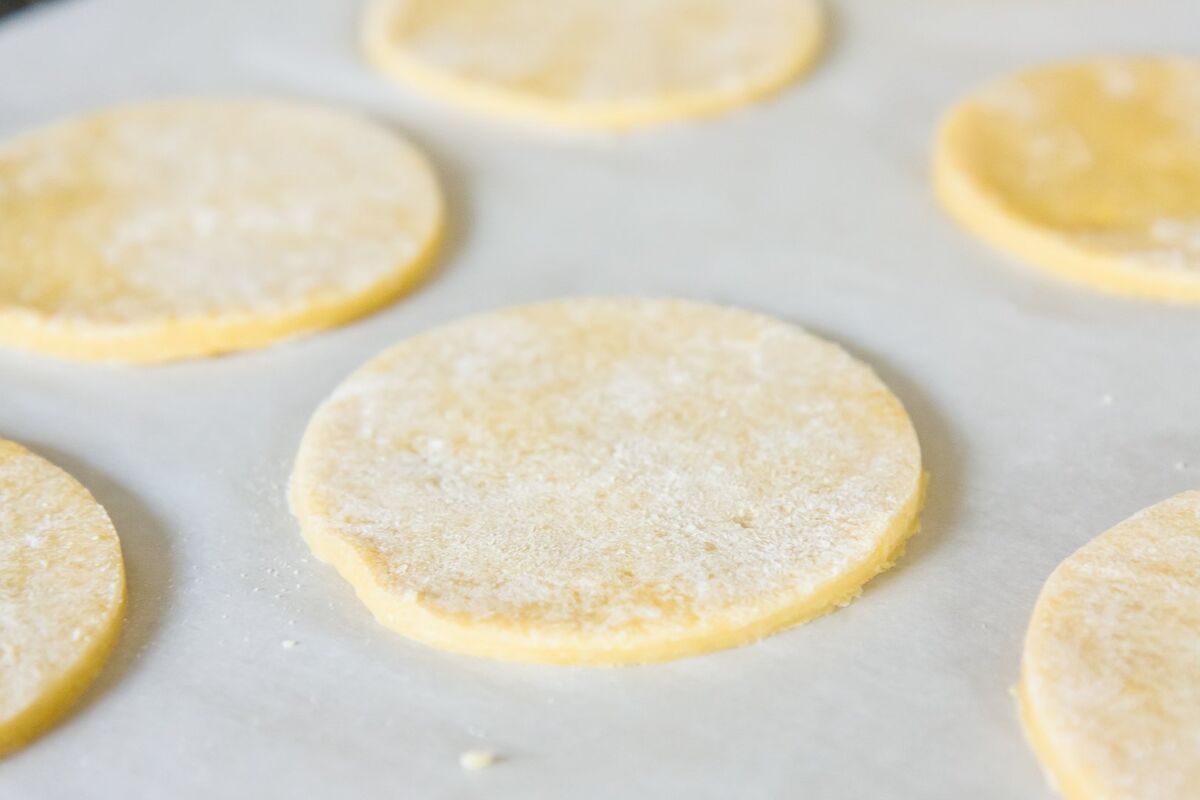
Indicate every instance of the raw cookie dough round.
{"type": "Point", "coordinates": [608, 481]}
{"type": "Point", "coordinates": [1110, 680]}
{"type": "Point", "coordinates": [594, 63]}
{"type": "Point", "coordinates": [62, 592]}
{"type": "Point", "coordinates": [184, 228]}
{"type": "Point", "coordinates": [1089, 170]}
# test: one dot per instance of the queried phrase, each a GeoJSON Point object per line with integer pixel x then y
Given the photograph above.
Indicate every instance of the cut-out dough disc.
{"type": "Point", "coordinates": [62, 592]}
{"type": "Point", "coordinates": [1089, 170]}
{"type": "Point", "coordinates": [1110, 680]}
{"type": "Point", "coordinates": [594, 63]}
{"type": "Point", "coordinates": [608, 481]}
{"type": "Point", "coordinates": [191, 227]}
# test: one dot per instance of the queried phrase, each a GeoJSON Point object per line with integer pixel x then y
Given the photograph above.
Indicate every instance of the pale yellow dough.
{"type": "Point", "coordinates": [62, 592]}
{"type": "Point", "coordinates": [1090, 170]}
{"type": "Point", "coordinates": [185, 228]}
{"type": "Point", "coordinates": [1110, 680]}
{"type": "Point", "coordinates": [594, 63]}
{"type": "Point", "coordinates": [608, 481]}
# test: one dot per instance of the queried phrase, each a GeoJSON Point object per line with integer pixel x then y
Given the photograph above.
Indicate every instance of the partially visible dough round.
{"type": "Point", "coordinates": [608, 481]}
{"type": "Point", "coordinates": [62, 592]}
{"type": "Point", "coordinates": [594, 63]}
{"type": "Point", "coordinates": [1090, 170]}
{"type": "Point", "coordinates": [184, 228]}
{"type": "Point", "coordinates": [1110, 680]}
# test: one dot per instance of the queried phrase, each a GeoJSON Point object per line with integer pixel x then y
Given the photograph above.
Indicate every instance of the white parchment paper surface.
{"type": "Point", "coordinates": [1047, 414]}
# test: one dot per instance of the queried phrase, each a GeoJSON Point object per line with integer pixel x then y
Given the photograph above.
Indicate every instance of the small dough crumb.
{"type": "Point", "coordinates": [288, 644]}
{"type": "Point", "coordinates": [477, 759]}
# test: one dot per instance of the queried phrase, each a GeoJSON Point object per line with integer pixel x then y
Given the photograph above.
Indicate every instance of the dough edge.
{"type": "Point", "coordinates": [456, 633]}
{"type": "Point", "coordinates": [180, 338]}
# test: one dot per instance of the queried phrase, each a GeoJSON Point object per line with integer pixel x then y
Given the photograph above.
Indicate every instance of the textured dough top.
{"type": "Point", "coordinates": [62, 581]}
{"type": "Point", "coordinates": [602, 62]}
{"type": "Point", "coordinates": [597, 468]}
{"type": "Point", "coordinates": [141, 217]}
{"type": "Point", "coordinates": [1111, 673]}
{"type": "Point", "coordinates": [1105, 153]}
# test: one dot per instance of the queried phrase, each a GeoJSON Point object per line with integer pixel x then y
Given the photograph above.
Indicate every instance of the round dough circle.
{"type": "Point", "coordinates": [62, 592]}
{"type": "Point", "coordinates": [1110, 679]}
{"type": "Point", "coordinates": [595, 63]}
{"type": "Point", "coordinates": [185, 228]}
{"type": "Point", "coordinates": [1089, 170]}
{"type": "Point", "coordinates": [608, 481]}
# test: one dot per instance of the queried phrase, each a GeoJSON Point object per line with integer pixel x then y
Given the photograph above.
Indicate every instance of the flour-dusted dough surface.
{"type": "Point", "coordinates": [184, 228]}
{"type": "Point", "coordinates": [1110, 680]}
{"type": "Point", "coordinates": [608, 481]}
{"type": "Point", "coordinates": [594, 63]}
{"type": "Point", "coordinates": [1090, 170]}
{"type": "Point", "coordinates": [62, 592]}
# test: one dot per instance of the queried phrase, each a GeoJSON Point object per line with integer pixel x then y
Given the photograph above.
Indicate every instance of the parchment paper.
{"type": "Point", "coordinates": [1047, 413]}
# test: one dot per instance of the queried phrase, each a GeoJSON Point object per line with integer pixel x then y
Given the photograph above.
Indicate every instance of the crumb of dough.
{"type": "Point", "coordinates": [477, 759]}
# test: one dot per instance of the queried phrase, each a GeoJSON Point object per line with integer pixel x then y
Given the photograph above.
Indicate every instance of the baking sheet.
{"type": "Point", "coordinates": [1046, 413]}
